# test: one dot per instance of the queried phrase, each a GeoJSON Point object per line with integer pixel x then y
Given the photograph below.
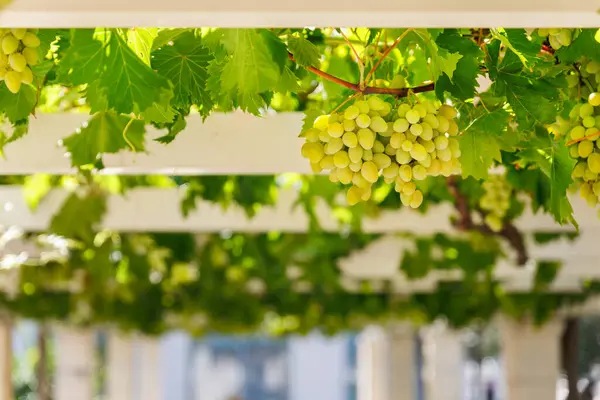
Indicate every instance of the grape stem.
{"type": "Point", "coordinates": [597, 133]}
{"type": "Point", "coordinates": [465, 223]}
{"type": "Point", "coordinates": [401, 92]}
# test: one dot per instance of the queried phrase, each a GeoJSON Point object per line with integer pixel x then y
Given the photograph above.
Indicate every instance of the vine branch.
{"type": "Point", "coordinates": [465, 223]}
{"type": "Point", "coordinates": [401, 92]}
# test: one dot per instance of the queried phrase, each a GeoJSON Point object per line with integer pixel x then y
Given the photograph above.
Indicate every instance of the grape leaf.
{"type": "Point", "coordinates": [79, 216]}
{"type": "Point", "coordinates": [250, 69]}
{"type": "Point", "coordinates": [17, 107]}
{"type": "Point", "coordinates": [140, 40]}
{"type": "Point", "coordinates": [123, 82]}
{"type": "Point", "coordinates": [106, 132]}
{"type": "Point", "coordinates": [19, 129]}
{"type": "Point", "coordinates": [185, 63]}
{"type": "Point", "coordinates": [584, 45]}
{"type": "Point", "coordinates": [464, 79]}
{"type": "Point", "coordinates": [305, 53]}
{"type": "Point", "coordinates": [553, 159]}
{"type": "Point", "coordinates": [530, 106]}
{"type": "Point", "coordinates": [309, 119]}
{"type": "Point", "coordinates": [441, 60]}
{"type": "Point", "coordinates": [165, 36]}
{"type": "Point", "coordinates": [35, 188]}
{"type": "Point", "coordinates": [481, 142]}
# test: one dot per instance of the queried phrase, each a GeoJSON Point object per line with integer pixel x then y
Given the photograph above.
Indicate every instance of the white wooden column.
{"type": "Point", "coordinates": [119, 367]}
{"type": "Point", "coordinates": [149, 382]}
{"type": "Point", "coordinates": [6, 387]}
{"type": "Point", "coordinates": [403, 365]}
{"type": "Point", "coordinates": [531, 358]}
{"type": "Point", "coordinates": [443, 356]}
{"type": "Point", "coordinates": [74, 351]}
{"type": "Point", "coordinates": [386, 364]}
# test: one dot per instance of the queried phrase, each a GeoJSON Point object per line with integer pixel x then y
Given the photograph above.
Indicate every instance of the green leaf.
{"type": "Point", "coordinates": [186, 63]}
{"type": "Point", "coordinates": [174, 129]}
{"type": "Point", "coordinates": [464, 78]}
{"type": "Point", "coordinates": [35, 188]}
{"type": "Point", "coordinates": [553, 159]}
{"type": "Point", "coordinates": [106, 132]}
{"type": "Point", "coordinates": [516, 40]}
{"type": "Point", "coordinates": [305, 53]}
{"type": "Point", "coordinates": [165, 36]}
{"type": "Point", "coordinates": [19, 130]}
{"type": "Point", "coordinates": [140, 40]}
{"type": "Point", "coordinates": [584, 45]}
{"type": "Point", "coordinates": [79, 216]}
{"type": "Point", "coordinates": [441, 60]}
{"type": "Point", "coordinates": [480, 143]}
{"type": "Point", "coordinates": [530, 106]}
{"type": "Point", "coordinates": [251, 68]}
{"type": "Point", "coordinates": [123, 82]}
{"type": "Point", "coordinates": [17, 107]}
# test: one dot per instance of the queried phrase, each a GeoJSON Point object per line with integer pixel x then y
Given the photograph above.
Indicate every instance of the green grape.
{"type": "Point", "coordinates": [366, 194]}
{"type": "Point", "coordinates": [324, 137]}
{"type": "Point", "coordinates": [397, 139]}
{"type": "Point", "coordinates": [381, 160]}
{"type": "Point", "coordinates": [316, 167]}
{"type": "Point", "coordinates": [326, 162]}
{"type": "Point", "coordinates": [391, 171]}
{"type": "Point", "coordinates": [402, 157]}
{"type": "Point", "coordinates": [10, 44]}
{"type": "Point", "coordinates": [592, 67]}
{"type": "Point", "coordinates": [355, 154]}
{"type": "Point", "coordinates": [378, 124]}
{"type": "Point", "coordinates": [421, 109]}
{"type": "Point", "coordinates": [543, 32]}
{"type": "Point", "coordinates": [341, 159]}
{"type": "Point", "coordinates": [398, 82]}
{"type": "Point", "coordinates": [400, 125]}
{"type": "Point", "coordinates": [375, 103]}
{"type": "Point", "coordinates": [345, 175]}
{"type": "Point", "coordinates": [416, 129]}
{"type": "Point", "coordinates": [389, 150]}
{"type": "Point", "coordinates": [367, 155]}
{"type": "Point", "coordinates": [313, 151]}
{"type": "Point", "coordinates": [577, 132]}
{"type": "Point", "coordinates": [412, 116]}
{"type": "Point", "coordinates": [350, 139]}
{"type": "Point", "coordinates": [321, 122]}
{"type": "Point", "coordinates": [17, 62]}
{"type": "Point", "coordinates": [407, 145]}
{"type": "Point", "coordinates": [447, 112]}
{"type": "Point", "coordinates": [579, 169]}
{"type": "Point", "coordinates": [363, 121]}
{"type": "Point", "coordinates": [585, 148]}
{"type": "Point", "coordinates": [573, 152]}
{"type": "Point", "coordinates": [355, 166]}
{"type": "Point", "coordinates": [349, 125]}
{"type": "Point", "coordinates": [312, 135]}
{"type": "Point", "coordinates": [427, 132]}
{"type": "Point", "coordinates": [19, 33]}
{"type": "Point", "coordinates": [572, 81]}
{"type": "Point", "coordinates": [354, 195]}
{"type": "Point", "coordinates": [387, 108]}
{"type": "Point", "coordinates": [403, 109]}
{"type": "Point", "coordinates": [31, 55]}
{"type": "Point", "coordinates": [351, 112]}
{"type": "Point", "coordinates": [593, 163]}
{"type": "Point", "coordinates": [419, 172]}
{"type": "Point", "coordinates": [333, 177]}
{"type": "Point", "coordinates": [370, 171]}
{"type": "Point", "coordinates": [335, 130]}
{"type": "Point", "coordinates": [416, 199]}
{"type": "Point", "coordinates": [452, 128]}
{"type": "Point", "coordinates": [441, 142]}
{"type": "Point", "coordinates": [366, 138]}
{"type": "Point", "coordinates": [564, 37]}
{"type": "Point", "coordinates": [589, 121]}
{"type": "Point", "coordinates": [435, 167]}
{"type": "Point", "coordinates": [586, 110]}
{"type": "Point", "coordinates": [409, 188]}
{"type": "Point", "coordinates": [31, 40]}
{"type": "Point", "coordinates": [405, 199]}
{"type": "Point", "coordinates": [428, 144]}
{"type": "Point", "coordinates": [594, 99]}
{"type": "Point", "coordinates": [378, 147]}
{"type": "Point", "coordinates": [360, 181]}
{"type": "Point", "coordinates": [589, 175]}
{"type": "Point", "coordinates": [432, 120]}
{"type": "Point", "coordinates": [13, 81]}
{"type": "Point", "coordinates": [443, 124]}
{"type": "Point", "coordinates": [418, 152]}
{"type": "Point", "coordinates": [405, 173]}
{"type": "Point", "coordinates": [333, 146]}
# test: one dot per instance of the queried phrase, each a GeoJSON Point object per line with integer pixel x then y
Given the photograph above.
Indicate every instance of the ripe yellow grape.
{"type": "Point", "coordinates": [335, 130]}
{"type": "Point", "coordinates": [381, 160]}
{"type": "Point", "coordinates": [401, 125]}
{"type": "Point", "coordinates": [366, 138]}
{"type": "Point", "coordinates": [416, 199]}
{"type": "Point", "coordinates": [31, 40]}
{"type": "Point", "coordinates": [378, 124]}
{"type": "Point", "coordinates": [19, 33]}
{"type": "Point", "coordinates": [333, 146]}
{"type": "Point", "coordinates": [27, 76]}
{"type": "Point", "coordinates": [354, 194]}
{"type": "Point", "coordinates": [13, 81]}
{"type": "Point", "coordinates": [350, 139]}
{"type": "Point", "coordinates": [17, 62]}
{"type": "Point", "coordinates": [363, 121]}
{"type": "Point", "coordinates": [10, 44]}
{"type": "Point", "coordinates": [351, 112]}
{"type": "Point", "coordinates": [412, 116]}
{"type": "Point", "coordinates": [594, 99]}
{"type": "Point", "coordinates": [367, 155]}
{"type": "Point", "coordinates": [585, 148]}
{"type": "Point", "coordinates": [341, 159]}
{"type": "Point", "coordinates": [349, 125]}
{"type": "Point", "coordinates": [345, 175]}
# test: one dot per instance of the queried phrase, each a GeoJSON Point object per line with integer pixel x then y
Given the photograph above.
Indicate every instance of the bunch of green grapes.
{"type": "Point", "coordinates": [584, 80]}
{"type": "Point", "coordinates": [370, 139]}
{"type": "Point", "coordinates": [557, 37]}
{"type": "Point", "coordinates": [495, 201]}
{"type": "Point", "coordinates": [19, 53]}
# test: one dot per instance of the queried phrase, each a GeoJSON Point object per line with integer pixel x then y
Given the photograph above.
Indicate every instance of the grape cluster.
{"type": "Point", "coordinates": [557, 37]}
{"type": "Point", "coordinates": [370, 139]}
{"type": "Point", "coordinates": [495, 202]}
{"type": "Point", "coordinates": [19, 52]}
{"type": "Point", "coordinates": [584, 80]}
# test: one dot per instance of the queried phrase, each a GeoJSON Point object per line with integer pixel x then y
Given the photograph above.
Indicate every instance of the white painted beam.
{"type": "Point", "coordinates": [6, 359]}
{"type": "Point", "coordinates": [270, 13]}
{"type": "Point", "coordinates": [158, 209]}
{"type": "Point", "coordinates": [119, 367]}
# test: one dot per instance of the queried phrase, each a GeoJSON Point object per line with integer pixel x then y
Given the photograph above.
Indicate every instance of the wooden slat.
{"type": "Point", "coordinates": [273, 13]}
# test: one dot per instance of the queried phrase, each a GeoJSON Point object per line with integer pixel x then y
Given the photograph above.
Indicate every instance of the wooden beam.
{"type": "Point", "coordinates": [272, 13]}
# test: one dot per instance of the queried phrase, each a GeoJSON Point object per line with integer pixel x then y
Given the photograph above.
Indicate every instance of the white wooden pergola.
{"type": "Point", "coordinates": [200, 149]}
